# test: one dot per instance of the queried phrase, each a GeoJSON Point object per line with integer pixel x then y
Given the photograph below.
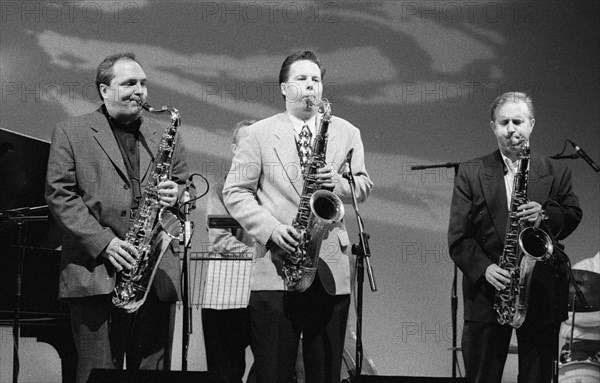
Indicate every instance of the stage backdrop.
{"type": "Point", "coordinates": [416, 77]}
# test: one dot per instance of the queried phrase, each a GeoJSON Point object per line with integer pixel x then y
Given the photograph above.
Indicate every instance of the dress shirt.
{"type": "Point", "coordinates": [509, 176]}
{"type": "Point", "coordinates": [298, 124]}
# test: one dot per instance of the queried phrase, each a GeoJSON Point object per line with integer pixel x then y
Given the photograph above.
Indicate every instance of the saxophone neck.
{"type": "Point", "coordinates": [175, 116]}
{"type": "Point", "coordinates": [323, 105]}
{"type": "Point", "coordinates": [525, 150]}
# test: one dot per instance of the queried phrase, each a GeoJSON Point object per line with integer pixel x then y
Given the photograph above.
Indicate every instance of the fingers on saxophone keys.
{"type": "Point", "coordinates": [290, 239]}
{"type": "Point", "coordinates": [502, 282]}
{"type": "Point", "coordinates": [289, 244]}
{"type": "Point", "coordinates": [500, 286]}
{"type": "Point", "coordinates": [114, 262]}
{"type": "Point", "coordinates": [124, 255]}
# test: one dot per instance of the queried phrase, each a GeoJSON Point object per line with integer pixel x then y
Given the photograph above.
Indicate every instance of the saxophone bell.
{"type": "Point", "coordinates": [536, 242]}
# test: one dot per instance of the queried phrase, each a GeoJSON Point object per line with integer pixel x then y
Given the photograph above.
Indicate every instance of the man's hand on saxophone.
{"type": "Point", "coordinates": [286, 237]}
{"type": "Point", "coordinates": [118, 252]}
{"type": "Point", "coordinates": [167, 192]}
{"type": "Point", "coordinates": [497, 277]}
{"type": "Point", "coordinates": [529, 211]}
{"type": "Point", "coordinates": [325, 177]}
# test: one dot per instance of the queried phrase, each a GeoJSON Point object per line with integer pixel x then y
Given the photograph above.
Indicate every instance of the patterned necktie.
{"type": "Point", "coordinates": [304, 148]}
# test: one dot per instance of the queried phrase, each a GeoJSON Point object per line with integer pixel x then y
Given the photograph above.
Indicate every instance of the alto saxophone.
{"type": "Point", "coordinates": [318, 209]}
{"type": "Point", "coordinates": [151, 221]}
{"type": "Point", "coordinates": [524, 245]}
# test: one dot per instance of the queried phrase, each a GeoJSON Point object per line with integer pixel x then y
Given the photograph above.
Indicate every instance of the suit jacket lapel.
{"type": "Point", "coordinates": [332, 149]}
{"type": "Point", "coordinates": [150, 132]}
{"type": "Point", "coordinates": [107, 141]}
{"type": "Point", "coordinates": [494, 191]}
{"type": "Point", "coordinates": [286, 151]}
{"type": "Point", "coordinates": [540, 181]}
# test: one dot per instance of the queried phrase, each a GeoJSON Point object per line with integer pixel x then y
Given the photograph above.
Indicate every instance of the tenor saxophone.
{"type": "Point", "coordinates": [318, 209]}
{"type": "Point", "coordinates": [524, 245]}
{"type": "Point", "coordinates": [151, 221]}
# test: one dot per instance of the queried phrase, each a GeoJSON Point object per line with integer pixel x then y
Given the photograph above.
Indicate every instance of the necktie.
{"type": "Point", "coordinates": [304, 148]}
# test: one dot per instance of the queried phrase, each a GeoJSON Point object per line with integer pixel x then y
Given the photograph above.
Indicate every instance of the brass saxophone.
{"type": "Point", "coordinates": [524, 245]}
{"type": "Point", "coordinates": [151, 221]}
{"type": "Point", "coordinates": [318, 209]}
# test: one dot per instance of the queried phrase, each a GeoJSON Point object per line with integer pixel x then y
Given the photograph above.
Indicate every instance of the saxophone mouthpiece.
{"type": "Point", "coordinates": [144, 105]}
{"type": "Point", "coordinates": [322, 104]}
{"type": "Point", "coordinates": [311, 101]}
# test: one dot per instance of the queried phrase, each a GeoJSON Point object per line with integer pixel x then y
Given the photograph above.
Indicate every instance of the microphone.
{"type": "Point", "coordinates": [348, 162]}
{"type": "Point", "coordinates": [186, 235]}
{"type": "Point", "coordinates": [584, 155]}
{"type": "Point", "coordinates": [185, 194]}
{"type": "Point", "coordinates": [188, 182]}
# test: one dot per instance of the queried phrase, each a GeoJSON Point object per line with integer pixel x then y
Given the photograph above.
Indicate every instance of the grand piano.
{"type": "Point", "coordinates": [29, 236]}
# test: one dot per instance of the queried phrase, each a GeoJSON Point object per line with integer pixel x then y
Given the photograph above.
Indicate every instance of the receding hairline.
{"type": "Point", "coordinates": [514, 98]}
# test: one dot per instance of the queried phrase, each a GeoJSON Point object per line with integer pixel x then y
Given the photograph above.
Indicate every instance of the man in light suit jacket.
{"type": "Point", "coordinates": [476, 234]}
{"type": "Point", "coordinates": [262, 192]}
{"type": "Point", "coordinates": [97, 169]}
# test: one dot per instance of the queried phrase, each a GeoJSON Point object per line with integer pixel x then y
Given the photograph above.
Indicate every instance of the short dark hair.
{"type": "Point", "coordinates": [237, 127]}
{"type": "Point", "coordinates": [512, 97]}
{"type": "Point", "coordinates": [298, 56]}
{"type": "Point", "coordinates": [105, 74]}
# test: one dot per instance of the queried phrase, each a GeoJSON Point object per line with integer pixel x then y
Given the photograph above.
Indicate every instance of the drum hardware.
{"type": "Point", "coordinates": [583, 281]}
{"type": "Point", "coordinates": [589, 284]}
{"type": "Point", "coordinates": [580, 372]}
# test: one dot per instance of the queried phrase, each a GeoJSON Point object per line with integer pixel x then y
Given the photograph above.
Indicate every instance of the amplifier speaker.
{"type": "Point", "coordinates": [145, 376]}
{"type": "Point", "coordinates": [408, 379]}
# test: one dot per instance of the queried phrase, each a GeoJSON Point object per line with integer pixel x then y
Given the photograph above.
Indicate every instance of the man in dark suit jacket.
{"type": "Point", "coordinates": [262, 192]}
{"type": "Point", "coordinates": [97, 169]}
{"type": "Point", "coordinates": [476, 235]}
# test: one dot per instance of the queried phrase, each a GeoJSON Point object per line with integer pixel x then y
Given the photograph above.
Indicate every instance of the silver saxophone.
{"type": "Point", "coordinates": [524, 245]}
{"type": "Point", "coordinates": [151, 220]}
{"type": "Point", "coordinates": [318, 209]}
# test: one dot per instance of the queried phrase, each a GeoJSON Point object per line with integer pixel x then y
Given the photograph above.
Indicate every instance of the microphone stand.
{"type": "Point", "coordinates": [185, 270]}
{"type": "Point", "coordinates": [453, 292]}
{"type": "Point", "coordinates": [17, 216]}
{"type": "Point", "coordinates": [363, 254]}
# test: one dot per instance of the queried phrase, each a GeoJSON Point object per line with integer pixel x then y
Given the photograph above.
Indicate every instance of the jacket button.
{"type": "Point", "coordinates": [480, 212]}
{"type": "Point", "coordinates": [125, 186]}
{"type": "Point", "coordinates": [123, 213]}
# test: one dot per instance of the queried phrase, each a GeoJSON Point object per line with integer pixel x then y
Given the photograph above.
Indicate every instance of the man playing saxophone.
{"type": "Point", "coordinates": [477, 235]}
{"type": "Point", "coordinates": [263, 192]}
{"type": "Point", "coordinates": [98, 166]}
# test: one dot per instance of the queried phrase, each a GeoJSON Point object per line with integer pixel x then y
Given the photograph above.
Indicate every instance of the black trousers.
{"type": "Point", "coordinates": [278, 319]}
{"type": "Point", "coordinates": [104, 334]}
{"type": "Point", "coordinates": [485, 348]}
{"type": "Point", "coordinates": [226, 336]}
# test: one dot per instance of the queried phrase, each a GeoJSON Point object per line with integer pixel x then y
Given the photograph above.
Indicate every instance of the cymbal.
{"type": "Point", "coordinates": [589, 284]}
